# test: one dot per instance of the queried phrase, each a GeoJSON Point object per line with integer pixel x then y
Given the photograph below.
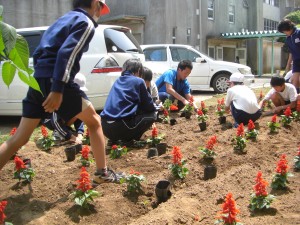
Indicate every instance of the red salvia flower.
{"type": "Point", "coordinates": [114, 147]}
{"type": "Point", "coordinates": [202, 104]}
{"type": "Point", "coordinates": [173, 108]}
{"type": "Point", "coordinates": [211, 142]}
{"type": "Point", "coordinates": [260, 187]}
{"type": "Point", "coordinates": [13, 131]}
{"type": "Point", "coordinates": [191, 100]}
{"type": "Point", "coordinates": [298, 154]}
{"type": "Point", "coordinates": [222, 101]}
{"type": "Point", "coordinates": [229, 211]}
{"type": "Point", "coordinates": [177, 156]}
{"type": "Point", "coordinates": [282, 166]}
{"type": "Point", "coordinates": [85, 152]}
{"type": "Point", "coordinates": [274, 118]}
{"type": "Point", "coordinates": [288, 112]}
{"type": "Point", "coordinates": [154, 132]}
{"type": "Point", "coordinates": [166, 113]}
{"type": "Point", "coordinates": [2, 215]}
{"type": "Point", "coordinates": [133, 172]}
{"type": "Point", "coordinates": [219, 108]}
{"type": "Point", "coordinates": [44, 131]}
{"type": "Point", "coordinates": [84, 183]}
{"type": "Point", "coordinates": [261, 95]}
{"type": "Point", "coordinates": [298, 106]}
{"type": "Point", "coordinates": [240, 130]}
{"type": "Point", "coordinates": [251, 125]}
{"type": "Point", "coordinates": [199, 112]}
{"type": "Point", "coordinates": [19, 163]}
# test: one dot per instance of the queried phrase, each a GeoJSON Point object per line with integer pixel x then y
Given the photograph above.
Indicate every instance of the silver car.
{"type": "Point", "coordinates": [110, 47]}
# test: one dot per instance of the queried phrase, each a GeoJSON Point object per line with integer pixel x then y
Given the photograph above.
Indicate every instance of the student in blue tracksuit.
{"type": "Point", "coordinates": [129, 110]}
{"type": "Point", "coordinates": [56, 62]}
{"type": "Point", "coordinates": [293, 42]}
{"type": "Point", "coordinates": [173, 84]}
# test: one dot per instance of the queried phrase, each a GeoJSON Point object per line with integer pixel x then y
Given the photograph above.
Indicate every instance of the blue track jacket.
{"type": "Point", "coordinates": [127, 97]}
{"type": "Point", "coordinates": [62, 46]}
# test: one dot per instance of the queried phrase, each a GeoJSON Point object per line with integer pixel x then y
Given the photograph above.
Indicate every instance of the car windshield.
{"type": "Point", "coordinates": [121, 40]}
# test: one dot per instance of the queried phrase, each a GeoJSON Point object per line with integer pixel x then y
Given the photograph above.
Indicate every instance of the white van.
{"type": "Point", "coordinates": [102, 64]}
{"type": "Point", "coordinates": [207, 73]}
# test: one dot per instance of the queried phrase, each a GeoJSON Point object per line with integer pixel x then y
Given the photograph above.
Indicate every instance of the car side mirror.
{"type": "Point", "coordinates": [200, 60]}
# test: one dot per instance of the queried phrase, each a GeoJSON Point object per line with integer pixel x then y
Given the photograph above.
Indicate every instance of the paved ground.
{"type": "Point", "coordinates": [202, 95]}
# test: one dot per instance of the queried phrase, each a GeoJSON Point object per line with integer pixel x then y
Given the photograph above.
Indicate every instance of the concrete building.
{"type": "Point", "coordinates": [194, 22]}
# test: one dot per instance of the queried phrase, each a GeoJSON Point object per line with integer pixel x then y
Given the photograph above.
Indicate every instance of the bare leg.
{"type": "Point", "coordinates": [92, 121]}
{"type": "Point", "coordinates": [295, 80]}
{"type": "Point", "coordinates": [277, 99]}
{"type": "Point", "coordinates": [20, 138]}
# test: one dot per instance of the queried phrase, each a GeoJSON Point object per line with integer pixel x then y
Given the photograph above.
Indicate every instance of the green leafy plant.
{"type": "Point", "coordinates": [86, 138]}
{"type": "Point", "coordinates": [229, 212]}
{"type": "Point", "coordinates": [273, 125]}
{"type": "Point", "coordinates": [203, 107]}
{"type": "Point", "coordinates": [177, 167]}
{"type": "Point", "coordinates": [167, 104]}
{"type": "Point", "coordinates": [14, 53]}
{"type": "Point", "coordinates": [85, 159]}
{"type": "Point", "coordinates": [296, 114]}
{"type": "Point", "coordinates": [260, 199]}
{"type": "Point", "coordinates": [252, 132]}
{"type": "Point", "coordinates": [47, 141]}
{"type": "Point", "coordinates": [166, 117]}
{"type": "Point", "coordinates": [84, 193]}
{"type": "Point", "coordinates": [287, 118]}
{"type": "Point", "coordinates": [155, 138]}
{"type": "Point", "coordinates": [201, 116]}
{"type": "Point", "coordinates": [279, 180]}
{"type": "Point", "coordinates": [133, 181]}
{"type": "Point", "coordinates": [117, 151]}
{"type": "Point", "coordinates": [189, 108]}
{"type": "Point", "coordinates": [22, 171]}
{"type": "Point", "coordinates": [220, 108]}
{"type": "Point", "coordinates": [208, 151]}
{"type": "Point", "coordinates": [240, 141]}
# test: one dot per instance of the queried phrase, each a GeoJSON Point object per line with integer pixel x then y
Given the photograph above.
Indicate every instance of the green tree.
{"type": "Point", "coordinates": [294, 17]}
{"type": "Point", "coordinates": [14, 56]}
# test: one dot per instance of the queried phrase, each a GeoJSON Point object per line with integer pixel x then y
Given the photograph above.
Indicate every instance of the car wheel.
{"type": "Point", "coordinates": [220, 83]}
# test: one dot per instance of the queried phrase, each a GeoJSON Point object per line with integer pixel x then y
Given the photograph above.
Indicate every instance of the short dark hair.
{"type": "Point", "coordinates": [82, 3]}
{"type": "Point", "coordinates": [147, 75]}
{"type": "Point", "coordinates": [285, 25]}
{"type": "Point", "coordinates": [133, 66]}
{"type": "Point", "coordinates": [277, 81]}
{"type": "Point", "coordinates": [185, 64]}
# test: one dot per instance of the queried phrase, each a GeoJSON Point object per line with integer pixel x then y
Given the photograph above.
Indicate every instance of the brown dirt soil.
{"type": "Point", "coordinates": [193, 201]}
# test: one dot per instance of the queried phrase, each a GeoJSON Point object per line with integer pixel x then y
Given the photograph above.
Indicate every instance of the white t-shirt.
{"type": "Point", "coordinates": [243, 98]}
{"type": "Point", "coordinates": [153, 90]}
{"type": "Point", "coordinates": [289, 93]}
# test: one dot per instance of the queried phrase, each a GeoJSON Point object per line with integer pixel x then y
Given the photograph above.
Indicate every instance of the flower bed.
{"type": "Point", "coordinates": [193, 198]}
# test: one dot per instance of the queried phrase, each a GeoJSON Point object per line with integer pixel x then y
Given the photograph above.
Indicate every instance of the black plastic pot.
{"type": "Point", "coordinates": [188, 115]}
{"type": "Point", "coordinates": [27, 163]}
{"type": "Point", "coordinates": [152, 152]}
{"type": "Point", "coordinates": [210, 172]}
{"type": "Point", "coordinates": [202, 126]}
{"type": "Point", "coordinates": [78, 148]}
{"type": "Point", "coordinates": [162, 190]}
{"type": "Point", "coordinates": [161, 148]}
{"type": "Point", "coordinates": [70, 153]}
{"type": "Point", "coordinates": [222, 119]}
{"type": "Point", "coordinates": [173, 122]}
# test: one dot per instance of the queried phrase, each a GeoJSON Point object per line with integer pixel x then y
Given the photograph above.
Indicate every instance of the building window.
{"type": "Point", "coordinates": [211, 51]}
{"type": "Point", "coordinates": [231, 14]}
{"type": "Point", "coordinates": [272, 2]}
{"type": "Point", "coordinates": [270, 24]}
{"type": "Point", "coordinates": [211, 9]}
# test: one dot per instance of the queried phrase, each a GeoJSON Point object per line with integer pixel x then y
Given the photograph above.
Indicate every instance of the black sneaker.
{"type": "Point", "coordinates": [108, 176]}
